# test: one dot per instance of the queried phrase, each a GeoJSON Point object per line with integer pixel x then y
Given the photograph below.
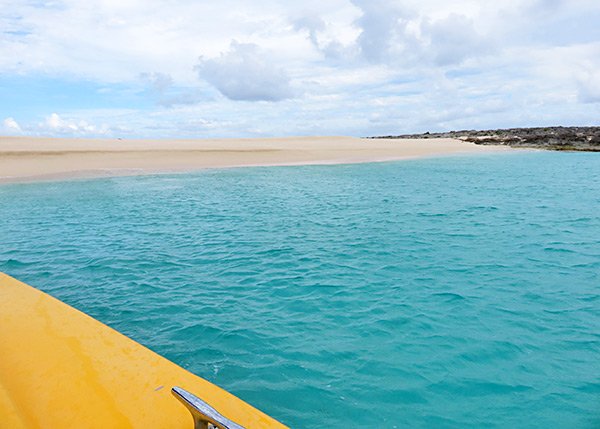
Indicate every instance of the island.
{"type": "Point", "coordinates": [550, 138]}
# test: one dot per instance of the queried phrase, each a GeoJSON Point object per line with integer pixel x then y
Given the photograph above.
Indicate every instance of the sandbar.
{"type": "Point", "coordinates": [25, 159]}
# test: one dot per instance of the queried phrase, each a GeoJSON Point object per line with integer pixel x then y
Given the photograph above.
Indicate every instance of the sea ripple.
{"type": "Point", "coordinates": [455, 292]}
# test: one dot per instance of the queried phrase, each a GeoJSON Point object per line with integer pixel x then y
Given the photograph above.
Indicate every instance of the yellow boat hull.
{"type": "Point", "coordinates": [60, 368]}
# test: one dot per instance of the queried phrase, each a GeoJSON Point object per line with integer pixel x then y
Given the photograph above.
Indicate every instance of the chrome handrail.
{"type": "Point", "coordinates": [205, 416]}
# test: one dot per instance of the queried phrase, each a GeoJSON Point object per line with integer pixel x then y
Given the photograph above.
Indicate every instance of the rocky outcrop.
{"type": "Point", "coordinates": [551, 138]}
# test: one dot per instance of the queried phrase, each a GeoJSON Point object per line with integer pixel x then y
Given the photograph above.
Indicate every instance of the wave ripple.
{"type": "Point", "coordinates": [457, 292]}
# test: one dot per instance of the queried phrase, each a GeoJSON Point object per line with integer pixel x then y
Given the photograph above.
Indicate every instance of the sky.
{"type": "Point", "coordinates": [233, 68]}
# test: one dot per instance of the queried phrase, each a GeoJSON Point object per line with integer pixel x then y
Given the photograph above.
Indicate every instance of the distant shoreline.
{"type": "Point", "coordinates": [26, 159]}
{"type": "Point", "coordinates": [550, 138]}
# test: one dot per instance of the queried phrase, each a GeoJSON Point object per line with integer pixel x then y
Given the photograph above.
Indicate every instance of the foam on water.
{"type": "Point", "coordinates": [455, 292]}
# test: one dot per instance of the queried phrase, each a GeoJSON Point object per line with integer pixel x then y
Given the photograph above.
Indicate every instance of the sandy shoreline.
{"type": "Point", "coordinates": [24, 159]}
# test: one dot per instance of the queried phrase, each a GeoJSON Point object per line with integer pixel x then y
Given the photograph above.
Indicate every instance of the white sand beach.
{"type": "Point", "coordinates": [33, 159]}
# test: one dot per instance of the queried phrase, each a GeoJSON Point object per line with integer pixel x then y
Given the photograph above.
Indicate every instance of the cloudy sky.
{"type": "Point", "coordinates": [228, 68]}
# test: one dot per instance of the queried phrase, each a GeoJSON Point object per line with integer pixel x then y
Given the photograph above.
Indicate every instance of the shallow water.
{"type": "Point", "coordinates": [454, 292]}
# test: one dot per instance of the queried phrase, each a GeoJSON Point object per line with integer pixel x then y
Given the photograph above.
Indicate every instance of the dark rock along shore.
{"type": "Point", "coordinates": [551, 138]}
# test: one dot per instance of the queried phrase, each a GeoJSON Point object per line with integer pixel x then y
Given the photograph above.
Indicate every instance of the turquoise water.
{"type": "Point", "coordinates": [455, 292]}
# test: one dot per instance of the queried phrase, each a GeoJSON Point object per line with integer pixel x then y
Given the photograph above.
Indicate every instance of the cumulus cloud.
{"type": "Point", "coordinates": [544, 6]}
{"type": "Point", "coordinates": [245, 72]}
{"type": "Point", "coordinates": [313, 24]}
{"type": "Point", "coordinates": [158, 82]}
{"type": "Point", "coordinates": [59, 126]}
{"type": "Point", "coordinates": [324, 38]}
{"type": "Point", "coordinates": [589, 87]}
{"type": "Point", "coordinates": [454, 39]}
{"type": "Point", "coordinates": [11, 126]}
{"type": "Point", "coordinates": [54, 124]}
{"type": "Point", "coordinates": [163, 89]}
{"type": "Point", "coordinates": [393, 35]}
{"type": "Point", "coordinates": [340, 66]}
{"type": "Point", "coordinates": [383, 26]}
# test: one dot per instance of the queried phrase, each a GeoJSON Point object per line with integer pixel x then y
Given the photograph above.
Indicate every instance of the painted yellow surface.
{"type": "Point", "coordinates": [60, 368]}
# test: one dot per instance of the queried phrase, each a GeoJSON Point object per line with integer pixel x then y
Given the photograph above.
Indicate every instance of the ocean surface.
{"type": "Point", "coordinates": [450, 292]}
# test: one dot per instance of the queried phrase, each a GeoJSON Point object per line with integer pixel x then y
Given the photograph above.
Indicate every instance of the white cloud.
{"type": "Point", "coordinates": [162, 87]}
{"type": "Point", "coordinates": [454, 39]}
{"type": "Point", "coordinates": [341, 66]}
{"type": "Point", "coordinates": [11, 126]}
{"type": "Point", "coordinates": [589, 86]}
{"type": "Point", "coordinates": [383, 27]}
{"type": "Point", "coordinates": [54, 124]}
{"type": "Point", "coordinates": [313, 24]}
{"type": "Point", "coordinates": [245, 72]}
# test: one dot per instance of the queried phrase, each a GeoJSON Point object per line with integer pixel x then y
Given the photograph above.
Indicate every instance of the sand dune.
{"type": "Point", "coordinates": [32, 159]}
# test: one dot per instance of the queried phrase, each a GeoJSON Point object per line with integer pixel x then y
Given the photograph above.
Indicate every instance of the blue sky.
{"type": "Point", "coordinates": [144, 68]}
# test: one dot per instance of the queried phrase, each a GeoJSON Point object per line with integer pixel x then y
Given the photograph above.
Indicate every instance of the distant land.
{"type": "Point", "coordinates": [550, 138]}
